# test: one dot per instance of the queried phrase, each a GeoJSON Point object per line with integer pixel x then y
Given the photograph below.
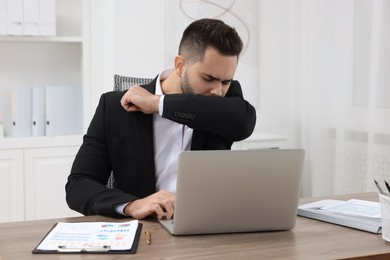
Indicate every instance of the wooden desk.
{"type": "Point", "coordinates": [310, 239]}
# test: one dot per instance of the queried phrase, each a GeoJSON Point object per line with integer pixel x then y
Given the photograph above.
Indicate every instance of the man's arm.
{"type": "Point", "coordinates": [85, 190]}
{"type": "Point", "coordinates": [231, 117]}
{"type": "Point", "coordinates": [138, 98]}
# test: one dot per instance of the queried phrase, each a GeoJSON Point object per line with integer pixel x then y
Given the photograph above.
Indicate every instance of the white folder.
{"type": "Point", "coordinates": [47, 17]}
{"type": "Point", "coordinates": [20, 112]}
{"type": "Point", "coordinates": [15, 17]}
{"type": "Point", "coordinates": [63, 110]}
{"type": "Point", "coordinates": [3, 17]}
{"type": "Point", "coordinates": [38, 111]}
{"type": "Point", "coordinates": [31, 17]}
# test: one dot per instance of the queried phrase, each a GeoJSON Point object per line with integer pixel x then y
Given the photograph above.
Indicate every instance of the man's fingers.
{"type": "Point", "coordinates": [167, 202]}
{"type": "Point", "coordinates": [161, 203]}
{"type": "Point", "coordinates": [133, 108]}
{"type": "Point", "coordinates": [169, 209]}
{"type": "Point", "coordinates": [130, 107]}
{"type": "Point", "coordinates": [163, 207]}
{"type": "Point", "coordinates": [158, 210]}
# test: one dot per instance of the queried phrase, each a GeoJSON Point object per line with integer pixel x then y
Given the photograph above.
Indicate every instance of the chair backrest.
{"type": "Point", "coordinates": [122, 83]}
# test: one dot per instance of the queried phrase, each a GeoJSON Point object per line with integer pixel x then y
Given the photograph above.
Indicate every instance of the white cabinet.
{"type": "Point", "coordinates": [11, 185]}
{"type": "Point", "coordinates": [46, 172]}
{"type": "Point", "coordinates": [33, 174]}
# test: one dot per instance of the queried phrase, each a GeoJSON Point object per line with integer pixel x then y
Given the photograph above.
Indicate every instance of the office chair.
{"type": "Point", "coordinates": [122, 83]}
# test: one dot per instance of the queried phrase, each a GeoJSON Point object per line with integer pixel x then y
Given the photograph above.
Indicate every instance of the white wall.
{"type": "Point", "coordinates": [127, 38]}
{"type": "Point", "coordinates": [278, 53]}
{"type": "Point", "coordinates": [140, 37]}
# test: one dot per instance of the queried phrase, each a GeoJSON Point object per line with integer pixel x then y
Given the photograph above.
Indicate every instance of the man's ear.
{"type": "Point", "coordinates": [179, 65]}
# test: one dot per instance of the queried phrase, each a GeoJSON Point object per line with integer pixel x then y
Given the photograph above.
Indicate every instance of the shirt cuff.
{"type": "Point", "coordinates": [120, 208]}
{"type": "Point", "coordinates": [161, 105]}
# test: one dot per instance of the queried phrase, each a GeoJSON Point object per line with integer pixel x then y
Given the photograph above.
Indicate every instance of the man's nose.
{"type": "Point", "coordinates": [217, 89]}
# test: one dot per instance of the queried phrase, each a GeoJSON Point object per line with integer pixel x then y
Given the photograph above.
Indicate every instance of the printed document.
{"type": "Point", "coordinates": [356, 207]}
{"type": "Point", "coordinates": [119, 236]}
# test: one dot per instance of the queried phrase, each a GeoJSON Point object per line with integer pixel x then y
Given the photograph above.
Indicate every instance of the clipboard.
{"type": "Point", "coordinates": [91, 249]}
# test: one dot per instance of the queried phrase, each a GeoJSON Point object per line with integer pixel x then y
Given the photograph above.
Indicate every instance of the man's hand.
{"type": "Point", "coordinates": [159, 202]}
{"type": "Point", "coordinates": [139, 99]}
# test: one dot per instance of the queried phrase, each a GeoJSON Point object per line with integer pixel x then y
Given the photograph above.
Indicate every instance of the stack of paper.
{"type": "Point", "coordinates": [358, 214]}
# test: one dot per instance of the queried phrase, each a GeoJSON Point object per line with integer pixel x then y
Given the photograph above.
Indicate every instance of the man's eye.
{"type": "Point", "coordinates": [208, 79]}
{"type": "Point", "coordinates": [225, 83]}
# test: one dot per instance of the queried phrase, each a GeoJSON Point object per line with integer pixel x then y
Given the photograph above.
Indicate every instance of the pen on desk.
{"type": "Point", "coordinates": [379, 187]}
{"type": "Point", "coordinates": [148, 236]}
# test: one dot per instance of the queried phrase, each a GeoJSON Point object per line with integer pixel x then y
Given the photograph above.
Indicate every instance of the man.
{"type": "Point", "coordinates": [139, 134]}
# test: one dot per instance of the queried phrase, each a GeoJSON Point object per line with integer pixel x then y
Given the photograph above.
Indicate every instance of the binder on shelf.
{"type": "Point", "coordinates": [38, 111]}
{"type": "Point", "coordinates": [21, 112]}
{"type": "Point", "coordinates": [15, 25]}
{"type": "Point", "coordinates": [3, 17]}
{"type": "Point", "coordinates": [63, 110]}
{"type": "Point", "coordinates": [31, 17]}
{"type": "Point", "coordinates": [47, 17]}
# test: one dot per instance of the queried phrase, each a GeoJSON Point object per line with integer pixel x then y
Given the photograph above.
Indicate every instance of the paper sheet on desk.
{"type": "Point", "coordinates": [353, 207]}
{"type": "Point", "coordinates": [356, 207]}
{"type": "Point", "coordinates": [352, 213]}
{"type": "Point", "coordinates": [320, 204]}
{"type": "Point", "coordinates": [119, 236]}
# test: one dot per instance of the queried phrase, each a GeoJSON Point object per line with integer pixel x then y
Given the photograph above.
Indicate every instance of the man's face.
{"type": "Point", "coordinates": [211, 76]}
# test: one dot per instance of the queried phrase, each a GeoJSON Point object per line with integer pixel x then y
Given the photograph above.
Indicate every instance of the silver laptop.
{"type": "Point", "coordinates": [236, 191]}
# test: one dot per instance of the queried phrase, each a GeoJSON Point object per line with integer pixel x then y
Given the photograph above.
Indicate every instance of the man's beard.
{"type": "Point", "coordinates": [185, 84]}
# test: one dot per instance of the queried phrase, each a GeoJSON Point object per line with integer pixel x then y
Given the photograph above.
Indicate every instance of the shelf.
{"type": "Point", "coordinates": [40, 141]}
{"type": "Point", "coordinates": [53, 39]}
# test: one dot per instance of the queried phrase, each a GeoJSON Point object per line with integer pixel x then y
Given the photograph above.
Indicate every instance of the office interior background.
{"type": "Point", "coordinates": [316, 71]}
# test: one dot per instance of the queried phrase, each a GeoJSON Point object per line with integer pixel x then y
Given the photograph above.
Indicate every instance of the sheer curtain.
{"type": "Point", "coordinates": [343, 85]}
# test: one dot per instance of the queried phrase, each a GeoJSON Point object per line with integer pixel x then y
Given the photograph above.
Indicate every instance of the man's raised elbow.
{"type": "Point", "coordinates": [246, 126]}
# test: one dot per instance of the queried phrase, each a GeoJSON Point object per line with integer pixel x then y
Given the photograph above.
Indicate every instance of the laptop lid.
{"type": "Point", "coordinates": [236, 191]}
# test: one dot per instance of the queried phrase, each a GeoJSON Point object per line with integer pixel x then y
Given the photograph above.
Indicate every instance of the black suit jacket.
{"type": "Point", "coordinates": [122, 142]}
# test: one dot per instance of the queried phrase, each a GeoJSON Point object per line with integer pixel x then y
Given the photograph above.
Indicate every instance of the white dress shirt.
{"type": "Point", "coordinates": [170, 139]}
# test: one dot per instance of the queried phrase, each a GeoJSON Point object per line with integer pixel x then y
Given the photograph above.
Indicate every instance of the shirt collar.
{"type": "Point", "coordinates": [162, 76]}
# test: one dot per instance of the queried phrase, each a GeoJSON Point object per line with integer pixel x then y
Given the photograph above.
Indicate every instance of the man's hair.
{"type": "Point", "coordinates": [204, 33]}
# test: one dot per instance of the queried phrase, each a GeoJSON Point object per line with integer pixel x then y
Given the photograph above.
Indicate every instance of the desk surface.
{"type": "Point", "coordinates": [310, 239]}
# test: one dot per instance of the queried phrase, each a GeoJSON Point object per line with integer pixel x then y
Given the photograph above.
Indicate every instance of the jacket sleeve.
{"type": "Point", "coordinates": [231, 117]}
{"type": "Point", "coordinates": [85, 190]}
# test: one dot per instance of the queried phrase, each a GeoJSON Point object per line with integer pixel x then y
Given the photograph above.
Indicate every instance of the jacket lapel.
{"type": "Point", "coordinates": [144, 131]}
